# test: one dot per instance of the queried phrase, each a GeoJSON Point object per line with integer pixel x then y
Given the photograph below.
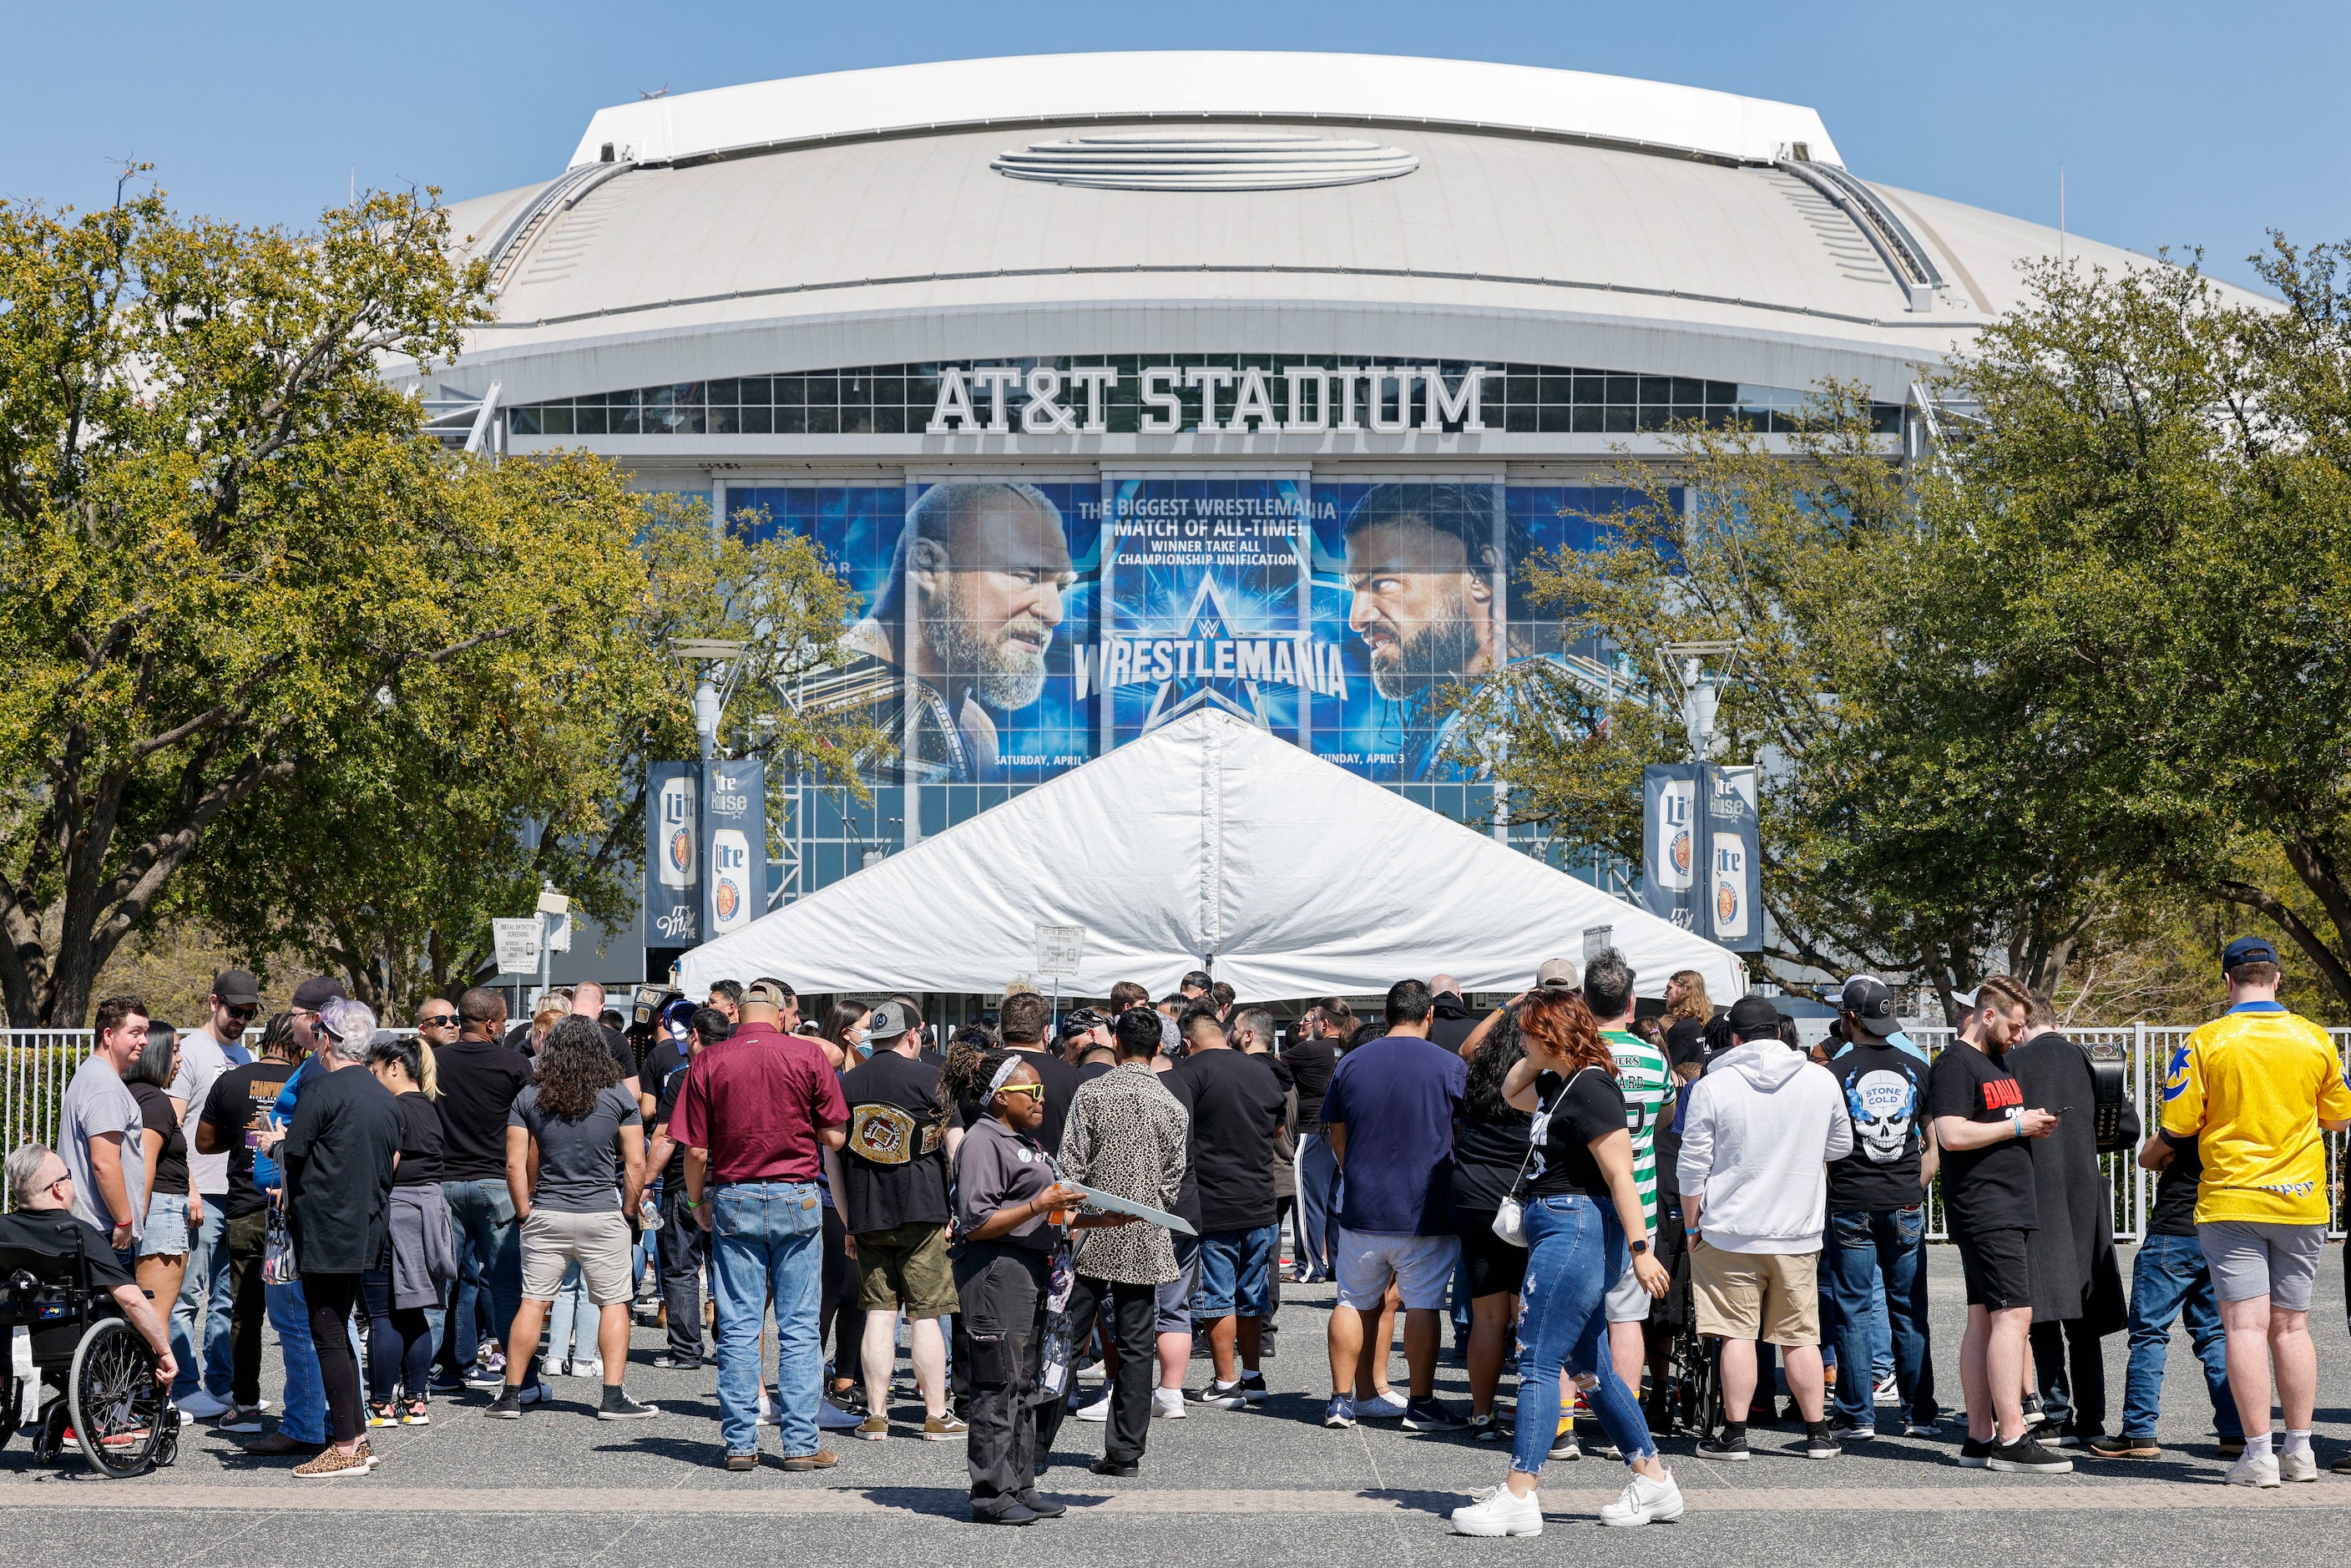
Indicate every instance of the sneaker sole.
{"type": "Point", "coordinates": [503, 1415]}
{"type": "Point", "coordinates": [1338, 1423]}
{"type": "Point", "coordinates": [1737, 1458]}
{"type": "Point", "coordinates": [946, 1437]}
{"type": "Point", "coordinates": [1653, 1516]}
{"type": "Point", "coordinates": [2149, 1452]}
{"type": "Point", "coordinates": [1508, 1530]}
{"type": "Point", "coordinates": [645, 1414]}
{"type": "Point", "coordinates": [2014, 1467]}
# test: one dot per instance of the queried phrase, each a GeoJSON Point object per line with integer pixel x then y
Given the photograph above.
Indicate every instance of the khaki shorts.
{"type": "Point", "coordinates": [907, 1267]}
{"type": "Point", "coordinates": [552, 1241]}
{"type": "Point", "coordinates": [1771, 1296]}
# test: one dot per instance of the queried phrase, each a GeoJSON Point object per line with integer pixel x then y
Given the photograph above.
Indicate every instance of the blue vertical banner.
{"type": "Point", "coordinates": [672, 854]}
{"type": "Point", "coordinates": [1733, 891]}
{"type": "Point", "coordinates": [734, 845]}
{"type": "Point", "coordinates": [1671, 852]}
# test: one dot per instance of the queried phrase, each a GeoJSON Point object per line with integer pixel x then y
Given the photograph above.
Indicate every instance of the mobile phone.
{"type": "Point", "coordinates": [2062, 1110]}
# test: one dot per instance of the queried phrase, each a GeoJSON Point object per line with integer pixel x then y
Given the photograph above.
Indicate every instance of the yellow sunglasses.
{"type": "Point", "coordinates": [1034, 1090]}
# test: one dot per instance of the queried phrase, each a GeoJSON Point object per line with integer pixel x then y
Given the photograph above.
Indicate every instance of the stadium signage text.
{"type": "Point", "coordinates": [1213, 400]}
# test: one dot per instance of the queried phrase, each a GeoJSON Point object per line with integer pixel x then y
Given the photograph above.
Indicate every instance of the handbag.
{"type": "Point", "coordinates": [1510, 1219]}
{"type": "Point", "coordinates": [277, 1267]}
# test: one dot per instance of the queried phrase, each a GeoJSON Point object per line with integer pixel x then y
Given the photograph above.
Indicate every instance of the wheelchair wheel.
{"type": "Point", "coordinates": [118, 1408]}
{"type": "Point", "coordinates": [12, 1411]}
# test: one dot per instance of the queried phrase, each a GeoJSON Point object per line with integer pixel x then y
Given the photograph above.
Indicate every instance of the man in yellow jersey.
{"type": "Point", "coordinates": [2254, 1088]}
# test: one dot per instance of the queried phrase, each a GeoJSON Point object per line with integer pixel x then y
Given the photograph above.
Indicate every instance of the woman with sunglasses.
{"type": "Point", "coordinates": [174, 1207]}
{"type": "Point", "coordinates": [1008, 1195]}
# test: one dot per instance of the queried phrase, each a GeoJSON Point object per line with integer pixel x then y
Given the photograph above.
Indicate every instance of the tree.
{"type": "Point", "coordinates": [1917, 816]}
{"type": "Point", "coordinates": [216, 544]}
{"type": "Point", "coordinates": [2158, 480]}
{"type": "Point", "coordinates": [456, 802]}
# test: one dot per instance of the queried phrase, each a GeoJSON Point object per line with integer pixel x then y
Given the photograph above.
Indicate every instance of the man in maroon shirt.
{"type": "Point", "coordinates": [752, 1113]}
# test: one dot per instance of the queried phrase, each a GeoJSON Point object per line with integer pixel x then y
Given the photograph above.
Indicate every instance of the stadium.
{"type": "Point", "coordinates": [1119, 386]}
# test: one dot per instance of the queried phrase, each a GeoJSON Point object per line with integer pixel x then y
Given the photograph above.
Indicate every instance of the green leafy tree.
{"type": "Point", "coordinates": [213, 553]}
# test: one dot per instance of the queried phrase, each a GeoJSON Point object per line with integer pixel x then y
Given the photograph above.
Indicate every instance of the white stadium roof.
{"type": "Point", "coordinates": [1215, 203]}
{"type": "Point", "coordinates": [1362, 89]}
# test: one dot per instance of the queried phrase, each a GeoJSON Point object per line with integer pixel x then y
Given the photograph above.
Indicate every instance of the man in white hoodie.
{"type": "Point", "coordinates": [1757, 1137]}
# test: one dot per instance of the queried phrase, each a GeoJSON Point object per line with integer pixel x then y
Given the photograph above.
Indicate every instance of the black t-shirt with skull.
{"type": "Point", "coordinates": [1884, 1090]}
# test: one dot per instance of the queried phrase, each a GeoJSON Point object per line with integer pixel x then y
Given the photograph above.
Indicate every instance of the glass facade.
{"type": "Point", "coordinates": [899, 399]}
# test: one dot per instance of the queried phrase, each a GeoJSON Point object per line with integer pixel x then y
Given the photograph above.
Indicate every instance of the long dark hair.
{"type": "Point", "coordinates": [1562, 1021]}
{"type": "Point", "coordinates": [574, 1066]}
{"type": "Point", "coordinates": [837, 1021]}
{"type": "Point", "coordinates": [1496, 1054]}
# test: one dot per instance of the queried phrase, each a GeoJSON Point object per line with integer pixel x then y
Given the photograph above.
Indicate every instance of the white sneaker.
{"type": "Point", "coordinates": [831, 1417]}
{"type": "Point", "coordinates": [2250, 1471]}
{"type": "Point", "coordinates": [2301, 1466]}
{"type": "Point", "coordinates": [1388, 1406]}
{"type": "Point", "coordinates": [201, 1406]}
{"type": "Point", "coordinates": [1097, 1411]}
{"type": "Point", "coordinates": [1887, 1395]}
{"type": "Point", "coordinates": [1167, 1402]}
{"type": "Point", "coordinates": [1644, 1501]}
{"type": "Point", "coordinates": [1499, 1513]}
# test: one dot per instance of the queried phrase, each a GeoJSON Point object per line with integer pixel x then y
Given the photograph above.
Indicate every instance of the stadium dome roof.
{"type": "Point", "coordinates": [1178, 202]}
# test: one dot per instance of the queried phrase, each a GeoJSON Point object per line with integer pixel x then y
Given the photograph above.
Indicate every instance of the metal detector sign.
{"type": "Point", "coordinates": [517, 945]}
{"type": "Point", "coordinates": [1059, 948]}
{"type": "Point", "coordinates": [673, 855]}
{"type": "Point", "coordinates": [734, 845]}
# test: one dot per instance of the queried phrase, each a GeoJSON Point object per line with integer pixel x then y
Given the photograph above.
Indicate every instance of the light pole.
{"type": "Point", "coordinates": [717, 661]}
{"type": "Point", "coordinates": [1686, 666]}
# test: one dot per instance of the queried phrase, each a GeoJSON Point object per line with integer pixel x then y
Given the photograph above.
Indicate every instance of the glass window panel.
{"type": "Point", "coordinates": [758, 421]}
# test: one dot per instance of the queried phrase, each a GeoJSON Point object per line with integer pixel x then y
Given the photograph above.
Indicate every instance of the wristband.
{"type": "Point", "coordinates": [2016, 1121]}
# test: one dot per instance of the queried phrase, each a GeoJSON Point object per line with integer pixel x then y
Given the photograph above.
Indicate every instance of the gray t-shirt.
{"type": "Point", "coordinates": [97, 1102]}
{"type": "Point", "coordinates": [997, 1168]}
{"type": "Point", "coordinates": [201, 1062]}
{"type": "Point", "coordinates": [579, 1161]}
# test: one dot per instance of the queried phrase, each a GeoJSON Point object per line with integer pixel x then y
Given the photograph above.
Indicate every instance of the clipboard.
{"type": "Point", "coordinates": [1113, 1204]}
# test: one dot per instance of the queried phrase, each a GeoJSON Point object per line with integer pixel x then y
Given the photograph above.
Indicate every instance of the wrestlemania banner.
{"type": "Point", "coordinates": [1009, 631]}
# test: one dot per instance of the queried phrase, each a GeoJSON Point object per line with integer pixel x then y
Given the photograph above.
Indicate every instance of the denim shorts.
{"type": "Point", "coordinates": [1236, 1273]}
{"type": "Point", "coordinates": [166, 1235]}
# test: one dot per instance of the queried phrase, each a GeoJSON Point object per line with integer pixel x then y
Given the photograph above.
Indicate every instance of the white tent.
{"type": "Point", "coordinates": [1207, 842]}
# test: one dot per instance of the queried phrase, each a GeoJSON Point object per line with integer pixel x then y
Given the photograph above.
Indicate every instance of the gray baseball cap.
{"type": "Point", "coordinates": [887, 1022]}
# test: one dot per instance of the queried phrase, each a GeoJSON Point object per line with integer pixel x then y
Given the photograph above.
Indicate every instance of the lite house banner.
{"type": "Point", "coordinates": [1733, 890]}
{"type": "Point", "coordinates": [734, 845]}
{"type": "Point", "coordinates": [673, 855]}
{"type": "Point", "coordinates": [1671, 855]}
{"type": "Point", "coordinates": [1008, 630]}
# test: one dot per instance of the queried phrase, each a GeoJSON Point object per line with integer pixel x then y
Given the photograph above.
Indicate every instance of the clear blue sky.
{"type": "Point", "coordinates": [2177, 125]}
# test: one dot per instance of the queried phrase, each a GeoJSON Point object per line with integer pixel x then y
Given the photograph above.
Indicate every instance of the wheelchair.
{"type": "Point", "coordinates": [93, 1376]}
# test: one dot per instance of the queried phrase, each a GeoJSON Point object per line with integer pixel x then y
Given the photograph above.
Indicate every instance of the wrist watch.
{"type": "Point", "coordinates": [1637, 1248]}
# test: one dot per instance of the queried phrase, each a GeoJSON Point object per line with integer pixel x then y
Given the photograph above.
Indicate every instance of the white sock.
{"type": "Point", "coordinates": [2257, 1447]}
{"type": "Point", "coordinates": [2296, 1442]}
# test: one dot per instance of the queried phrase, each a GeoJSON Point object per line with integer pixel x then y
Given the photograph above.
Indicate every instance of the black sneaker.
{"type": "Point", "coordinates": [1115, 1467]}
{"type": "Point", "coordinates": [2126, 1448]}
{"type": "Point", "coordinates": [2071, 1439]}
{"type": "Point", "coordinates": [619, 1406]}
{"type": "Point", "coordinates": [1253, 1387]}
{"type": "Point", "coordinates": [1220, 1395]}
{"type": "Point", "coordinates": [1431, 1415]}
{"type": "Point", "coordinates": [1974, 1454]}
{"type": "Point", "coordinates": [1820, 1444]}
{"type": "Point", "coordinates": [1846, 1429]}
{"type": "Point", "coordinates": [669, 1361]}
{"type": "Point", "coordinates": [1041, 1505]}
{"type": "Point", "coordinates": [507, 1405]}
{"type": "Point", "coordinates": [2027, 1457]}
{"type": "Point", "coordinates": [1720, 1448]}
{"type": "Point", "coordinates": [2034, 1414]}
{"type": "Point", "coordinates": [2342, 1465]}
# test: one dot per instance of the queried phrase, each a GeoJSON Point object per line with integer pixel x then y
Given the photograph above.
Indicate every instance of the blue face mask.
{"type": "Point", "coordinates": [864, 1043]}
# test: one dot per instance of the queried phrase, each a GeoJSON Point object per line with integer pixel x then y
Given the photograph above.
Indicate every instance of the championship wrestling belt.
{"type": "Point", "coordinates": [884, 1134]}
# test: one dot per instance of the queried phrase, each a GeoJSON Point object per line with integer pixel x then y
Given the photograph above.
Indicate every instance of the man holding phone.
{"type": "Point", "coordinates": [1981, 1124]}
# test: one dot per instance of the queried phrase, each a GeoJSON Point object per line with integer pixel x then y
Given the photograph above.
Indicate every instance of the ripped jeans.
{"type": "Point", "coordinates": [1576, 1251]}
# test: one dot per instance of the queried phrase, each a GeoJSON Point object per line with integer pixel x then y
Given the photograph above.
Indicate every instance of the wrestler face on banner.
{"type": "Point", "coordinates": [1422, 581]}
{"type": "Point", "coordinates": [984, 568]}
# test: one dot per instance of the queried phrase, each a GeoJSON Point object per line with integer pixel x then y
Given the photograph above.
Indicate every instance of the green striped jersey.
{"type": "Point", "coordinates": [1642, 1075]}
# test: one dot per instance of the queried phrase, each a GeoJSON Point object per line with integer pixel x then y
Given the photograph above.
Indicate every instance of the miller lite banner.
{"type": "Point", "coordinates": [672, 854]}
{"type": "Point", "coordinates": [1701, 865]}
{"type": "Point", "coordinates": [733, 845]}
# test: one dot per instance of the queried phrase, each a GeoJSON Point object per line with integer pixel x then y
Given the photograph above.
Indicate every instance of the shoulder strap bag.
{"type": "Point", "coordinates": [1510, 1219]}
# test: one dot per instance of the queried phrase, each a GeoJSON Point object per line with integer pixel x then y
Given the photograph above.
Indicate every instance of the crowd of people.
{"type": "Point", "coordinates": [1575, 1188]}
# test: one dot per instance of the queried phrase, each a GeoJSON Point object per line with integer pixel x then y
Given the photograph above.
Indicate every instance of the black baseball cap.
{"type": "Point", "coordinates": [1083, 1018]}
{"type": "Point", "coordinates": [2248, 950]}
{"type": "Point", "coordinates": [237, 987]}
{"type": "Point", "coordinates": [317, 992]}
{"type": "Point", "coordinates": [1868, 1000]}
{"type": "Point", "coordinates": [1754, 1018]}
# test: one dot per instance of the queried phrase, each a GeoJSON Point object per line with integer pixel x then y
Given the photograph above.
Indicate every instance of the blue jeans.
{"type": "Point", "coordinates": [204, 1287]}
{"type": "Point", "coordinates": [570, 1313]}
{"type": "Point", "coordinates": [1860, 1249]}
{"type": "Point", "coordinates": [768, 1240]}
{"type": "Point", "coordinates": [304, 1417]}
{"type": "Point", "coordinates": [1317, 1207]}
{"type": "Point", "coordinates": [482, 1214]}
{"type": "Point", "coordinates": [1236, 1273]}
{"type": "Point", "coordinates": [2171, 1279]}
{"type": "Point", "coordinates": [1576, 1251]}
